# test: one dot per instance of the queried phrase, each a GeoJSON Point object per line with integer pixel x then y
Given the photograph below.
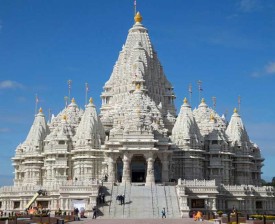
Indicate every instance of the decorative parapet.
{"type": "Point", "coordinates": [57, 186]}
{"type": "Point", "coordinates": [196, 183]}
{"type": "Point", "coordinates": [247, 190]}
{"type": "Point", "coordinates": [198, 186]}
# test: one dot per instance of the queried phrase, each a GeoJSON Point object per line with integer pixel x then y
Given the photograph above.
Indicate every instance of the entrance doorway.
{"type": "Point", "coordinates": [138, 168]}
{"type": "Point", "coordinates": [157, 170]}
{"type": "Point", "coordinates": [119, 169]}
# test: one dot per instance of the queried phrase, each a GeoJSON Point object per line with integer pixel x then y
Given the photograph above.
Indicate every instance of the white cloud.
{"type": "Point", "coordinates": [268, 70]}
{"type": "Point", "coordinates": [248, 5]}
{"type": "Point", "coordinates": [8, 84]}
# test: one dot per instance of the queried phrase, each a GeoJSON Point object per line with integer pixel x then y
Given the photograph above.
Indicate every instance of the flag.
{"type": "Point", "coordinates": [190, 88]}
{"type": "Point", "coordinates": [36, 98]}
{"type": "Point", "coordinates": [87, 87]}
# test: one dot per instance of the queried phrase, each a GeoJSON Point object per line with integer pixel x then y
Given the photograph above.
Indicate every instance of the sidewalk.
{"type": "Point", "coordinates": [139, 221]}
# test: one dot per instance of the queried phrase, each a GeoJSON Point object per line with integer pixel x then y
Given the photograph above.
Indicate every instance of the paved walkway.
{"type": "Point", "coordinates": [140, 221]}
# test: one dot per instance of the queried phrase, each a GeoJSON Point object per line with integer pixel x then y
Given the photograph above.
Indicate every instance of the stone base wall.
{"type": "Point", "coordinates": [15, 199]}
{"type": "Point", "coordinates": [207, 196]}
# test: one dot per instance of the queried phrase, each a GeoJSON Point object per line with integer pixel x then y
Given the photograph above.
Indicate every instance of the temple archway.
{"type": "Point", "coordinates": [138, 168]}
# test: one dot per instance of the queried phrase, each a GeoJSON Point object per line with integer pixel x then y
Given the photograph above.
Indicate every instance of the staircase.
{"type": "Point", "coordinates": [140, 202]}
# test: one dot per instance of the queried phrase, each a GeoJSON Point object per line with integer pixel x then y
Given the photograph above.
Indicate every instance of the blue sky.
{"type": "Point", "coordinates": [228, 44]}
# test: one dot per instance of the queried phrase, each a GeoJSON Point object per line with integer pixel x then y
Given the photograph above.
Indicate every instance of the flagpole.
{"type": "Point", "coordinates": [66, 101]}
{"type": "Point", "coordinates": [86, 93]}
{"type": "Point", "coordinates": [135, 7]}
{"type": "Point", "coordinates": [190, 94]}
{"type": "Point", "coordinates": [239, 103]}
{"type": "Point", "coordinates": [69, 86]}
{"type": "Point", "coordinates": [214, 99]}
{"type": "Point", "coordinates": [199, 84]}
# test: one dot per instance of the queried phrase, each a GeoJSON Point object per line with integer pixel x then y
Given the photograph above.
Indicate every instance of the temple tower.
{"type": "Point", "coordinates": [138, 61]}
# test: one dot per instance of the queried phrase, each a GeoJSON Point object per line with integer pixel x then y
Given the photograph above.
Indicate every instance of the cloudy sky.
{"type": "Point", "coordinates": [229, 45]}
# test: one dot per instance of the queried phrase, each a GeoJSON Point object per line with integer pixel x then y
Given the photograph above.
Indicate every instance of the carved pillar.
{"type": "Point", "coordinates": [165, 171]}
{"type": "Point", "coordinates": [126, 177]}
{"type": "Point", "coordinates": [214, 204]}
{"type": "Point", "coordinates": [111, 170]}
{"type": "Point", "coordinates": [67, 203]}
{"type": "Point", "coordinates": [150, 177]}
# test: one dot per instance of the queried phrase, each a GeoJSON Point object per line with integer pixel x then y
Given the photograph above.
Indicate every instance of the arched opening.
{"type": "Point", "coordinates": [119, 169]}
{"type": "Point", "coordinates": [138, 168]}
{"type": "Point", "coordinates": [158, 170]}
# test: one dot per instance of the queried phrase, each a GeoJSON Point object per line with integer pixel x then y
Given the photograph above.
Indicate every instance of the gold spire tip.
{"type": "Point", "coordinates": [185, 101]}
{"type": "Point", "coordinates": [235, 110]}
{"type": "Point", "coordinates": [138, 18]}
{"type": "Point", "coordinates": [138, 86]}
{"type": "Point", "coordinates": [73, 100]}
{"type": "Point", "coordinates": [212, 118]}
{"type": "Point", "coordinates": [202, 100]}
{"type": "Point", "coordinates": [40, 110]}
{"type": "Point", "coordinates": [91, 100]}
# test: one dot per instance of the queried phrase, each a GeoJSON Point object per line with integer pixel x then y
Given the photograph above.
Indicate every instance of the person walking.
{"type": "Point", "coordinates": [94, 213]}
{"type": "Point", "coordinates": [163, 213]}
{"type": "Point", "coordinates": [123, 199]}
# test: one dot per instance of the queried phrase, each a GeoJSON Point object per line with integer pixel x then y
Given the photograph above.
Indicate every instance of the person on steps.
{"type": "Point", "coordinates": [163, 213]}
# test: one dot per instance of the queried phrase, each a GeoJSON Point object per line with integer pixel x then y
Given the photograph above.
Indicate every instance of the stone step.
{"type": "Point", "coordinates": [140, 202]}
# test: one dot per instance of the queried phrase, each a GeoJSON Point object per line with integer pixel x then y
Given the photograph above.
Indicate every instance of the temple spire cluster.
{"type": "Point", "coordinates": [138, 116]}
{"type": "Point", "coordinates": [136, 137]}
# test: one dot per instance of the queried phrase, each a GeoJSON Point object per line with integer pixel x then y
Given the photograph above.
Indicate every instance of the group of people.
{"type": "Point", "coordinates": [121, 199]}
{"type": "Point", "coordinates": [197, 216]}
{"type": "Point", "coordinates": [101, 198]}
{"type": "Point", "coordinates": [76, 214]}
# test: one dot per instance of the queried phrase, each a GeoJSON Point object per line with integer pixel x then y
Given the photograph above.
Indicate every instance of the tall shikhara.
{"type": "Point", "coordinates": [138, 61]}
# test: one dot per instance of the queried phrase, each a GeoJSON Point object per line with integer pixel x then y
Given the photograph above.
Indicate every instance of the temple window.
{"type": "Point", "coordinates": [61, 142]}
{"type": "Point", "coordinates": [214, 142]}
{"type": "Point", "coordinates": [16, 204]}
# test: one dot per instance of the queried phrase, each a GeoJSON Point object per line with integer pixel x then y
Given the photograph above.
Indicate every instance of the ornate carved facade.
{"type": "Point", "coordinates": [136, 138]}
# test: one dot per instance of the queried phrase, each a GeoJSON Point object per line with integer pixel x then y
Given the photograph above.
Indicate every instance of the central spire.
{"type": "Point", "coordinates": [137, 63]}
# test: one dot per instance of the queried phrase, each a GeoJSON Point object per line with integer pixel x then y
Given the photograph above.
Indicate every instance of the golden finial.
{"type": "Point", "coordinates": [64, 117]}
{"type": "Point", "coordinates": [40, 110]}
{"type": "Point", "coordinates": [138, 86]}
{"type": "Point", "coordinates": [138, 18]}
{"type": "Point", "coordinates": [212, 118]}
{"type": "Point", "coordinates": [73, 100]}
{"type": "Point", "coordinates": [91, 100]}
{"type": "Point", "coordinates": [202, 100]}
{"type": "Point", "coordinates": [235, 110]}
{"type": "Point", "coordinates": [185, 101]}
